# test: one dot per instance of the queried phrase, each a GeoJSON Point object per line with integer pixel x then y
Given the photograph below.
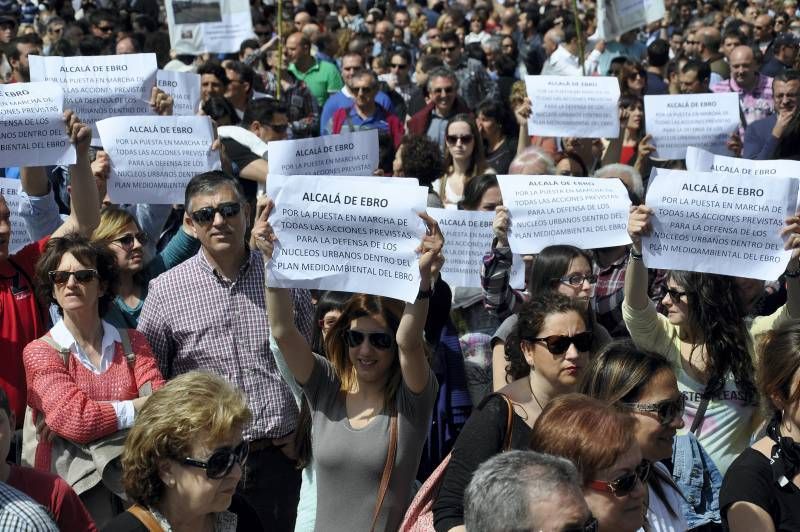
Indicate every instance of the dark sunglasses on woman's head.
{"type": "Point", "coordinates": [625, 484]}
{"type": "Point", "coordinates": [591, 525]}
{"type": "Point", "coordinates": [126, 241]}
{"type": "Point", "coordinates": [378, 340]}
{"type": "Point", "coordinates": [221, 461]}
{"type": "Point", "coordinates": [206, 214]}
{"type": "Point", "coordinates": [558, 344]}
{"type": "Point", "coordinates": [82, 276]}
{"type": "Point", "coordinates": [667, 411]}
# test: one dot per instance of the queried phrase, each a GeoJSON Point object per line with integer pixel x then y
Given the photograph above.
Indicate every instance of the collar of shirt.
{"type": "Point", "coordinates": [64, 338]}
{"type": "Point", "coordinates": [293, 69]}
{"type": "Point", "coordinates": [562, 54]}
{"type": "Point", "coordinates": [207, 267]}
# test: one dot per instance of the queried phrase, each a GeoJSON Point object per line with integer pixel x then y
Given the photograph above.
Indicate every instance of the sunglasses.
{"type": "Point", "coordinates": [558, 344]}
{"type": "Point", "coordinates": [591, 525]}
{"type": "Point", "coordinates": [106, 29]}
{"type": "Point", "coordinates": [359, 90]}
{"type": "Point", "coordinates": [453, 139]}
{"type": "Point", "coordinates": [126, 242]}
{"type": "Point", "coordinates": [399, 66]}
{"type": "Point", "coordinates": [447, 48]}
{"type": "Point", "coordinates": [378, 340]}
{"type": "Point", "coordinates": [625, 484]}
{"type": "Point", "coordinates": [221, 461]}
{"type": "Point", "coordinates": [206, 214]}
{"type": "Point", "coordinates": [278, 128]}
{"type": "Point", "coordinates": [443, 90]}
{"type": "Point", "coordinates": [577, 279]}
{"type": "Point", "coordinates": [675, 295]}
{"type": "Point", "coordinates": [82, 276]}
{"type": "Point", "coordinates": [666, 411]}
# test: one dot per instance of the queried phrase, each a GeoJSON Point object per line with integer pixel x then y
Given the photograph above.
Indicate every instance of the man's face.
{"type": "Point", "coordinates": [301, 19]}
{"type": "Point", "coordinates": [5, 228]}
{"type": "Point", "coordinates": [728, 44]}
{"type": "Point", "coordinates": [104, 29]}
{"type": "Point", "coordinates": [237, 89]}
{"type": "Point", "coordinates": [363, 89]}
{"type": "Point", "coordinates": [743, 68]}
{"type": "Point", "coordinates": [676, 42]}
{"type": "Point", "coordinates": [55, 30]}
{"type": "Point", "coordinates": [7, 32]}
{"type": "Point", "coordinates": [787, 54]}
{"type": "Point", "coordinates": [350, 63]}
{"type": "Point", "coordinates": [451, 52]}
{"type": "Point", "coordinates": [383, 32]}
{"type": "Point", "coordinates": [561, 511]}
{"type": "Point", "coordinates": [689, 83]}
{"type": "Point", "coordinates": [210, 85]}
{"type": "Point", "coordinates": [263, 33]}
{"type": "Point", "coordinates": [401, 19]}
{"type": "Point", "coordinates": [433, 35]}
{"type": "Point", "coordinates": [750, 14]}
{"type": "Point", "coordinates": [275, 129]}
{"type": "Point", "coordinates": [784, 94]}
{"type": "Point", "coordinates": [221, 234]}
{"type": "Point", "coordinates": [443, 93]}
{"type": "Point", "coordinates": [762, 28]}
{"type": "Point", "coordinates": [691, 45]}
{"type": "Point", "coordinates": [294, 50]}
{"type": "Point", "coordinates": [22, 65]}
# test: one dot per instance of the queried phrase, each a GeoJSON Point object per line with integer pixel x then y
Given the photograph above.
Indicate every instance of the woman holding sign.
{"type": "Point", "coordinates": [709, 340]}
{"type": "Point", "coordinates": [371, 399]}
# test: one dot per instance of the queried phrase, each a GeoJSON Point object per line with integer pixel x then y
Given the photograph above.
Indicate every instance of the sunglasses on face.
{"type": "Point", "coordinates": [359, 90]}
{"type": "Point", "coordinates": [221, 461]}
{"type": "Point", "coordinates": [447, 48]}
{"type": "Point", "coordinates": [591, 525]}
{"type": "Point", "coordinates": [401, 66]}
{"type": "Point", "coordinates": [126, 241]}
{"type": "Point", "coordinates": [675, 295]}
{"type": "Point", "coordinates": [577, 279]}
{"type": "Point", "coordinates": [453, 139]}
{"type": "Point", "coordinates": [625, 484]}
{"type": "Point", "coordinates": [106, 29]}
{"type": "Point", "coordinates": [206, 214]}
{"type": "Point", "coordinates": [82, 276]}
{"type": "Point", "coordinates": [666, 411]}
{"type": "Point", "coordinates": [558, 344]}
{"type": "Point", "coordinates": [378, 340]}
{"type": "Point", "coordinates": [443, 90]}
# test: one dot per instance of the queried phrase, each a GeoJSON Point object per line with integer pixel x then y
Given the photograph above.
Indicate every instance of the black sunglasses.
{"type": "Point", "coordinates": [206, 214]}
{"type": "Point", "coordinates": [667, 411]}
{"type": "Point", "coordinates": [558, 344]}
{"type": "Point", "coordinates": [221, 461]}
{"type": "Point", "coordinates": [453, 139]}
{"type": "Point", "coordinates": [82, 276]}
{"type": "Point", "coordinates": [127, 241]}
{"type": "Point", "coordinates": [625, 484]}
{"type": "Point", "coordinates": [378, 340]}
{"type": "Point", "coordinates": [675, 295]}
{"type": "Point", "coordinates": [591, 525]}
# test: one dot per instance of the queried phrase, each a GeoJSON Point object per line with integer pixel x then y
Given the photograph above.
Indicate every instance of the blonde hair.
{"type": "Point", "coordinates": [194, 408]}
{"type": "Point", "coordinates": [112, 222]}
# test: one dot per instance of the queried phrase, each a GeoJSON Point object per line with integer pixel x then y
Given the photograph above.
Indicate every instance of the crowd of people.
{"type": "Point", "coordinates": [153, 379]}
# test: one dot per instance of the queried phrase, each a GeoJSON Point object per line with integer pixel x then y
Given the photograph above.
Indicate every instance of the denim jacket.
{"type": "Point", "coordinates": [699, 480]}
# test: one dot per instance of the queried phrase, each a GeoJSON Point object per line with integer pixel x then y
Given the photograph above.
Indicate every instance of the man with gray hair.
{"type": "Point", "coordinates": [525, 490]}
{"type": "Point", "coordinates": [443, 104]}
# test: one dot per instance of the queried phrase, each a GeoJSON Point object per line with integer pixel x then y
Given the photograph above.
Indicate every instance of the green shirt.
{"type": "Point", "coordinates": [322, 79]}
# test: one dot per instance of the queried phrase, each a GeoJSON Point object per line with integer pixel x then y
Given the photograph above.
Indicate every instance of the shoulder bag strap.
{"type": "Point", "coordinates": [387, 469]}
{"type": "Point", "coordinates": [146, 388]}
{"type": "Point", "coordinates": [63, 351]}
{"type": "Point", "coordinates": [509, 422]}
{"type": "Point", "coordinates": [146, 518]}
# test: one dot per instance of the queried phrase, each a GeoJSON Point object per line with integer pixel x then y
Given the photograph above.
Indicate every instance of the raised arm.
{"type": "Point", "coordinates": [280, 309]}
{"type": "Point", "coordinates": [636, 275]}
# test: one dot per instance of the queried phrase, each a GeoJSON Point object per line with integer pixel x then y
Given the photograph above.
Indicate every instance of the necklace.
{"type": "Point", "coordinates": [530, 387]}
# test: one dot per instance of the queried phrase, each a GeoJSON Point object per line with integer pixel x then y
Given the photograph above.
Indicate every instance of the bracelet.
{"type": "Point", "coordinates": [636, 256]}
{"type": "Point", "coordinates": [792, 274]}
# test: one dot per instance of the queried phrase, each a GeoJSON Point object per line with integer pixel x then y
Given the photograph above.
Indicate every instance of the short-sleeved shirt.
{"type": "Point", "coordinates": [350, 461]}
{"type": "Point", "coordinates": [750, 479]}
{"type": "Point", "coordinates": [322, 79]}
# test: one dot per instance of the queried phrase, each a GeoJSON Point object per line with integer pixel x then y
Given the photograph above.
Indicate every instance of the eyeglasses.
{"type": "Point", "coordinates": [675, 295]}
{"type": "Point", "coordinates": [591, 525]}
{"type": "Point", "coordinates": [206, 214]}
{"type": "Point", "coordinates": [55, 31]}
{"type": "Point", "coordinates": [126, 241]}
{"type": "Point", "coordinates": [447, 48]}
{"type": "Point", "coordinates": [558, 344]}
{"type": "Point", "coordinates": [106, 29]}
{"type": "Point", "coordinates": [278, 128]}
{"type": "Point", "coordinates": [577, 279]}
{"type": "Point", "coordinates": [221, 461]}
{"type": "Point", "coordinates": [625, 484]}
{"type": "Point", "coordinates": [453, 139]}
{"type": "Point", "coordinates": [401, 66]}
{"type": "Point", "coordinates": [667, 411]}
{"type": "Point", "coordinates": [359, 90]}
{"type": "Point", "coordinates": [378, 340]}
{"type": "Point", "coordinates": [443, 90]}
{"type": "Point", "coordinates": [82, 276]}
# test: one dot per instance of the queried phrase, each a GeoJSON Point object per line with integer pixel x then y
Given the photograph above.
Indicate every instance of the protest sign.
{"type": "Point", "coordinates": [9, 189]}
{"type": "Point", "coordinates": [98, 87]}
{"type": "Point", "coordinates": [725, 224]}
{"type": "Point", "coordinates": [677, 121]}
{"type": "Point", "coordinates": [208, 26]}
{"type": "Point", "coordinates": [32, 130]}
{"type": "Point", "coordinates": [564, 106]}
{"type": "Point", "coordinates": [335, 234]}
{"type": "Point", "coordinates": [154, 157]}
{"type": "Point", "coordinates": [344, 154]}
{"type": "Point", "coordinates": [468, 237]}
{"type": "Point", "coordinates": [620, 16]}
{"type": "Point", "coordinates": [584, 212]}
{"type": "Point", "coordinates": [184, 87]}
{"type": "Point", "coordinates": [699, 160]}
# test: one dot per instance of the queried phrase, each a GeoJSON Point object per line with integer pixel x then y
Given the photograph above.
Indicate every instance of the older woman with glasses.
{"type": "Point", "coordinates": [184, 457]}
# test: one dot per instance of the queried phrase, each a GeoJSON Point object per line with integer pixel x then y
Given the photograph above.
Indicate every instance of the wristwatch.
{"type": "Point", "coordinates": [426, 294]}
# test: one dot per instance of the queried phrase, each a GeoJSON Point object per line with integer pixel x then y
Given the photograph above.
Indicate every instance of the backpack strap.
{"type": "Point", "coordinates": [509, 422]}
{"type": "Point", "coordinates": [63, 351]}
{"type": "Point", "coordinates": [130, 356]}
{"type": "Point", "coordinates": [387, 469]}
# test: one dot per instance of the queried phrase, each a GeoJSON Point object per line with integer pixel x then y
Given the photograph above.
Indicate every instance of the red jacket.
{"type": "Point", "coordinates": [382, 120]}
{"type": "Point", "coordinates": [419, 123]}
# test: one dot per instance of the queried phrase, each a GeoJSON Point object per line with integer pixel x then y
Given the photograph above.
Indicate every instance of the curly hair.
{"type": "Point", "coordinates": [196, 408]}
{"type": "Point", "coordinates": [531, 320]}
{"type": "Point", "coordinates": [422, 158]}
{"type": "Point", "coordinates": [89, 254]}
{"type": "Point", "coordinates": [716, 311]}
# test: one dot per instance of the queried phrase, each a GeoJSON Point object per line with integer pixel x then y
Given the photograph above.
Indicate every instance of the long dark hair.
{"type": "Point", "coordinates": [716, 311]}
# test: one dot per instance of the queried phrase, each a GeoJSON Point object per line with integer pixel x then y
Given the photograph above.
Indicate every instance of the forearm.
{"type": "Point", "coordinates": [34, 180]}
{"type": "Point", "coordinates": [793, 290]}
{"type": "Point", "coordinates": [84, 197]}
{"type": "Point", "coordinates": [636, 283]}
{"type": "Point", "coordinates": [524, 140]}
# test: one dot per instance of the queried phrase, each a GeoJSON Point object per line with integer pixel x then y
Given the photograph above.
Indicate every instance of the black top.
{"type": "Point", "coordinates": [501, 158]}
{"type": "Point", "coordinates": [481, 438]}
{"type": "Point", "coordinates": [241, 156]}
{"type": "Point", "coordinates": [749, 479]}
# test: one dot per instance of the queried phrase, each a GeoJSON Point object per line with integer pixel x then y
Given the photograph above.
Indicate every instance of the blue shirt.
{"type": "Point", "coordinates": [339, 100]}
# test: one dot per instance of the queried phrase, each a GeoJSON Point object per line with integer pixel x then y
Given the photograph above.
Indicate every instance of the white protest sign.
{"type": "Point", "coordinates": [277, 181]}
{"type": "Point", "coordinates": [468, 237]}
{"type": "Point", "coordinates": [213, 26]}
{"type": "Point", "coordinates": [32, 131]}
{"type": "Point", "coordinates": [620, 16]}
{"type": "Point", "coordinates": [700, 160]}
{"type": "Point", "coordinates": [10, 189]}
{"type": "Point", "coordinates": [344, 154]}
{"type": "Point", "coordinates": [334, 234]}
{"type": "Point", "coordinates": [677, 121]}
{"type": "Point", "coordinates": [585, 212]}
{"type": "Point", "coordinates": [184, 87]}
{"type": "Point", "coordinates": [98, 87]}
{"type": "Point", "coordinates": [725, 224]}
{"type": "Point", "coordinates": [565, 106]}
{"type": "Point", "coordinates": [154, 157]}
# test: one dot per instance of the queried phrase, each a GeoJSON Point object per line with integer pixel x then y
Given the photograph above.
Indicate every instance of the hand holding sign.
{"type": "Point", "coordinates": [791, 235]}
{"type": "Point", "coordinates": [431, 259]}
{"type": "Point", "coordinates": [161, 102]}
{"type": "Point", "coordinates": [639, 225]}
{"type": "Point", "coordinates": [500, 225]}
{"type": "Point", "coordinates": [79, 133]}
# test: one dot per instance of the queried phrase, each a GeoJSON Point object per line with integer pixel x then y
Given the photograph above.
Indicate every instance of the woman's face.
{"type": "Point", "coordinates": [490, 200]}
{"type": "Point", "coordinates": [561, 371]}
{"type": "Point", "coordinates": [191, 486]}
{"type": "Point", "coordinates": [372, 363]}
{"type": "Point", "coordinates": [636, 81]}
{"type": "Point", "coordinates": [74, 295]}
{"type": "Point", "coordinates": [582, 292]}
{"type": "Point", "coordinates": [328, 321]}
{"type": "Point", "coordinates": [635, 116]}
{"type": "Point", "coordinates": [567, 166]}
{"type": "Point", "coordinates": [128, 250]}
{"type": "Point", "coordinates": [460, 141]}
{"type": "Point", "coordinates": [676, 303]}
{"type": "Point", "coordinates": [620, 514]}
{"type": "Point", "coordinates": [488, 127]}
{"type": "Point", "coordinates": [655, 439]}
